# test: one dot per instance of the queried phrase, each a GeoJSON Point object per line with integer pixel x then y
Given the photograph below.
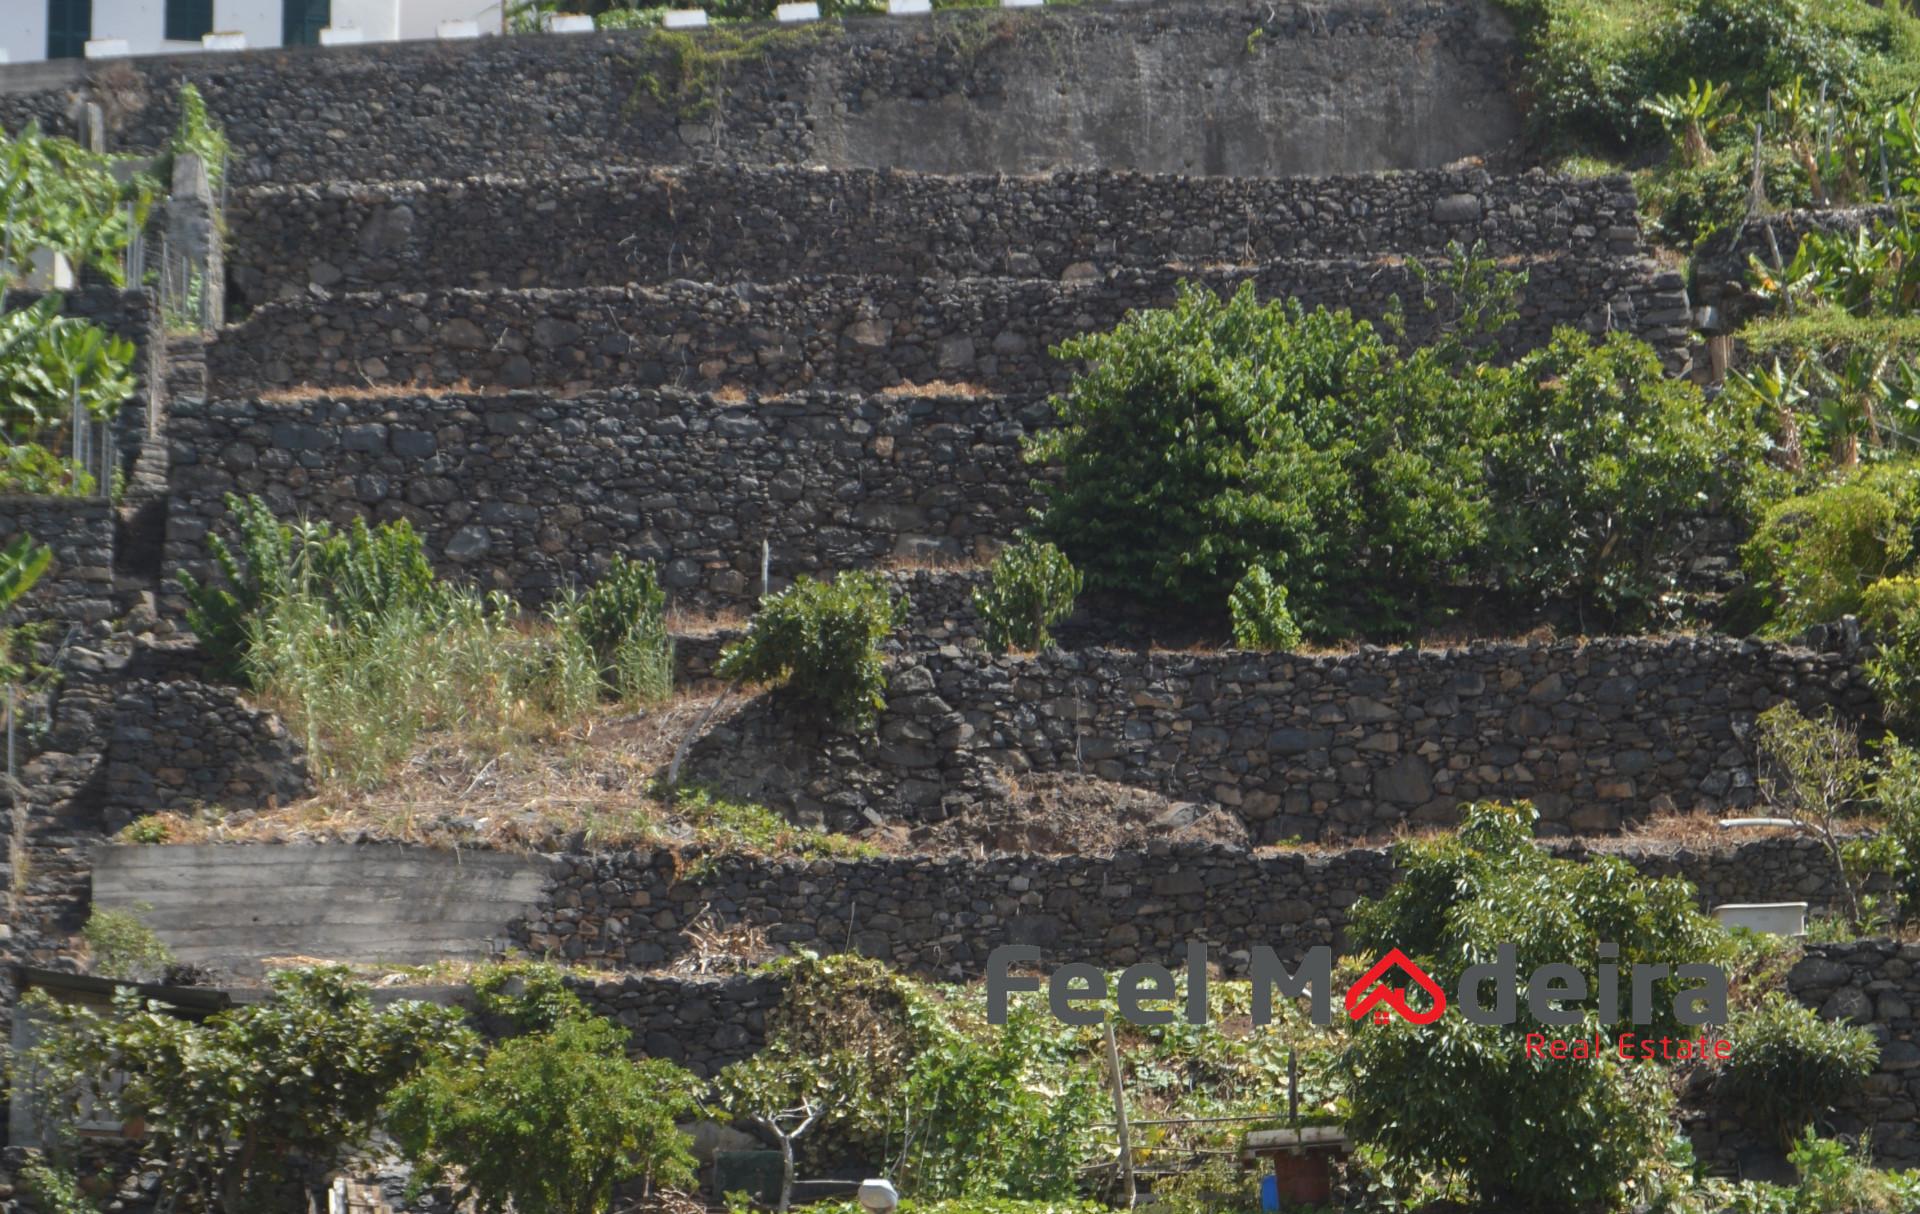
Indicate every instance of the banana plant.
{"type": "Point", "coordinates": [21, 564]}
{"type": "Point", "coordinates": [1692, 118]}
{"type": "Point", "coordinates": [1776, 394]}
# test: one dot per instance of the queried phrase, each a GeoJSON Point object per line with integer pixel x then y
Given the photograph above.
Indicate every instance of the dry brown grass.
{"type": "Point", "coordinates": [701, 622]}
{"type": "Point", "coordinates": [306, 392]}
{"type": "Point", "coordinates": [938, 387]}
{"type": "Point", "coordinates": [593, 784]}
{"type": "Point", "coordinates": [931, 563]}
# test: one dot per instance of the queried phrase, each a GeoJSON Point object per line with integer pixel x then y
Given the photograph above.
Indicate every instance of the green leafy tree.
{"type": "Point", "coordinates": [1812, 771]}
{"type": "Point", "coordinates": [1031, 587]}
{"type": "Point", "coordinates": [1460, 1098]}
{"type": "Point", "coordinates": [1258, 607]}
{"type": "Point", "coordinates": [822, 640]}
{"type": "Point", "coordinates": [22, 562]}
{"type": "Point", "coordinates": [1206, 438]}
{"type": "Point", "coordinates": [250, 1100]}
{"type": "Point", "coordinates": [1598, 455]}
{"type": "Point", "coordinates": [548, 1122]}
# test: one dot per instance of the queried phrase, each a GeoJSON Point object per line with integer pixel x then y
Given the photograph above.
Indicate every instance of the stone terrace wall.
{"type": "Point", "coordinates": [1871, 983]}
{"type": "Point", "coordinates": [77, 587]}
{"type": "Point", "coordinates": [1595, 734]}
{"type": "Point", "coordinates": [852, 334]}
{"type": "Point", "coordinates": [527, 493]}
{"type": "Point", "coordinates": [1345, 86]}
{"type": "Point", "coordinates": [701, 1023]}
{"type": "Point", "coordinates": [942, 916]}
{"type": "Point", "coordinates": [765, 224]}
{"type": "Point", "coordinates": [182, 744]}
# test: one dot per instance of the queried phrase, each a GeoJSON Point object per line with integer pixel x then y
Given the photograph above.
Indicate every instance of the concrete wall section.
{"type": "Point", "coordinates": [232, 906]}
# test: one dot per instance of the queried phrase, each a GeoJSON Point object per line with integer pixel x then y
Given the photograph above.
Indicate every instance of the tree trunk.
{"type": "Point", "coordinates": [786, 1173]}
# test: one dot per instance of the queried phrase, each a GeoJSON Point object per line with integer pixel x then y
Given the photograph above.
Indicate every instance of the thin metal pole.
{"type": "Point", "coordinates": [1120, 1115]}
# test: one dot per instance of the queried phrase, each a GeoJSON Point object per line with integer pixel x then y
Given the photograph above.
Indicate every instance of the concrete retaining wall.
{"type": "Point", "coordinates": [231, 906]}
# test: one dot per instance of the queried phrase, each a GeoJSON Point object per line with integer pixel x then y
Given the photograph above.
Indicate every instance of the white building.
{"type": "Point", "coordinates": [60, 29]}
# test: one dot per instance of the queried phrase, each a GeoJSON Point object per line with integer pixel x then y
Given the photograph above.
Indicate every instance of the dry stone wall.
{"type": "Point", "coordinates": [77, 587]}
{"type": "Point", "coordinates": [1241, 87]}
{"type": "Point", "coordinates": [941, 916]}
{"type": "Point", "coordinates": [1596, 734]}
{"type": "Point", "coordinates": [1722, 268]}
{"type": "Point", "coordinates": [528, 493]}
{"type": "Point", "coordinates": [847, 333]}
{"type": "Point", "coordinates": [715, 223]}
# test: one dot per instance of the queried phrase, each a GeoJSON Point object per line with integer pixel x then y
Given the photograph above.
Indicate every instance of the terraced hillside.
{"type": "Point", "coordinates": [808, 328]}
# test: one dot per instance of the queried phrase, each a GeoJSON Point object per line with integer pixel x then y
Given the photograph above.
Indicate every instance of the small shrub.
{"type": "Point", "coordinates": [151, 828]}
{"type": "Point", "coordinates": [123, 947]}
{"type": "Point", "coordinates": [622, 618]}
{"type": "Point", "coordinates": [364, 573]}
{"type": "Point", "coordinates": [1261, 620]}
{"type": "Point", "coordinates": [822, 640]}
{"type": "Point", "coordinates": [1890, 610]}
{"type": "Point", "coordinates": [1789, 1066]}
{"type": "Point", "coordinates": [260, 571]}
{"type": "Point", "coordinates": [54, 1190]}
{"type": "Point", "coordinates": [1032, 587]}
{"type": "Point", "coordinates": [1820, 550]}
{"type": "Point", "coordinates": [195, 134]}
{"type": "Point", "coordinates": [627, 597]}
{"type": "Point", "coordinates": [550, 1121]}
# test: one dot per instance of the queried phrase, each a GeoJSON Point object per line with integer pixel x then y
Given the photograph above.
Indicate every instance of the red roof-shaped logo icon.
{"type": "Point", "coordinates": [1371, 995]}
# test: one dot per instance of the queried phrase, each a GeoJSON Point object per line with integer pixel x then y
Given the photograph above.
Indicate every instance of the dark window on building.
{"type": "Point", "coordinates": [302, 20]}
{"type": "Point", "coordinates": [188, 19]}
{"type": "Point", "coordinates": [69, 28]}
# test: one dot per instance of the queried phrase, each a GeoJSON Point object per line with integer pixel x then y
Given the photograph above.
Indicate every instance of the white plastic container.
{"type": "Point", "coordinates": [459, 29]}
{"type": "Point", "coordinates": [1772, 918]}
{"type": "Point", "coordinates": [107, 48]}
{"type": "Point", "coordinates": [229, 41]}
{"type": "Point", "coordinates": [342, 35]}
{"type": "Point", "coordinates": [684, 19]}
{"type": "Point", "coordinates": [569, 23]}
{"type": "Point", "coordinates": [807, 10]}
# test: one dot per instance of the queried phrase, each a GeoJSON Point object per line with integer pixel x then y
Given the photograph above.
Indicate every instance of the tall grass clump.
{"type": "Point", "coordinates": [365, 651]}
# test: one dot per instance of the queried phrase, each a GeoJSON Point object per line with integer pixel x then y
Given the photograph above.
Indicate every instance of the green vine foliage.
{"type": "Point", "coordinates": [685, 72]}
{"type": "Point", "coordinates": [55, 195]}
{"type": "Point", "coordinates": [196, 133]}
{"type": "Point", "coordinates": [48, 364]}
{"type": "Point", "coordinates": [822, 641]}
{"type": "Point", "coordinates": [1031, 587]}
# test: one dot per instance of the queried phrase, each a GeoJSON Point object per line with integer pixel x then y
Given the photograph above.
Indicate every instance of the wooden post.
{"type": "Point", "coordinates": [1120, 1115]}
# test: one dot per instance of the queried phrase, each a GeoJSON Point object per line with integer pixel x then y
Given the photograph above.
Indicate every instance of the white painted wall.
{"type": "Point", "coordinates": [379, 20]}
{"type": "Point", "coordinates": [23, 23]}
{"type": "Point", "coordinates": [23, 29]}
